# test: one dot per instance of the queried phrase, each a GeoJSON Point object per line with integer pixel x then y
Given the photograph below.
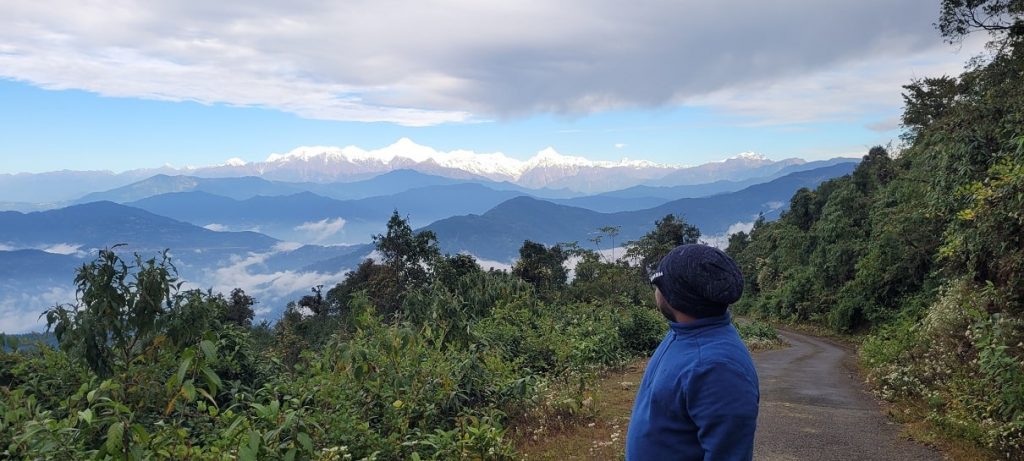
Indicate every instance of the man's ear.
{"type": "Point", "coordinates": [660, 300]}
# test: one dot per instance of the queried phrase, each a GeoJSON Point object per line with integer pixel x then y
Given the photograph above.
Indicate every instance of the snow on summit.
{"type": "Point", "coordinates": [547, 168]}
{"type": "Point", "coordinates": [750, 156]}
{"type": "Point", "coordinates": [494, 165]}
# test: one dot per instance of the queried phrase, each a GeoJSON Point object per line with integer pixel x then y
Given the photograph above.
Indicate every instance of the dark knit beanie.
{"type": "Point", "coordinates": [698, 280]}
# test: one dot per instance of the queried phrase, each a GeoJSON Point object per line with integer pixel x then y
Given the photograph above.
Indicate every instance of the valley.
{"type": "Point", "coordinates": [277, 239]}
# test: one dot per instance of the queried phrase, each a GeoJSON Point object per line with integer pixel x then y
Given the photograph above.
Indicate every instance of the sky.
{"type": "Point", "coordinates": [123, 84]}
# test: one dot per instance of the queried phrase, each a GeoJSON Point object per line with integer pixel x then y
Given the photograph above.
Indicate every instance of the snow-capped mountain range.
{"type": "Point", "coordinates": [547, 168]}
{"type": "Point", "coordinates": [495, 166]}
{"type": "Point", "coordinates": [324, 164]}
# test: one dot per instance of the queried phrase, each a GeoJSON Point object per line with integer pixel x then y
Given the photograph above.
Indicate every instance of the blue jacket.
{"type": "Point", "coordinates": [698, 399]}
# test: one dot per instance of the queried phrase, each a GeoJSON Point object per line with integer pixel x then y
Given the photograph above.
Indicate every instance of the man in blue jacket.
{"type": "Point", "coordinates": [699, 395]}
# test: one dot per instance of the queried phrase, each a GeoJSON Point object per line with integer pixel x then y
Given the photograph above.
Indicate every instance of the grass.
{"type": "Point", "coordinates": [914, 418]}
{"type": "Point", "coordinates": [759, 335]}
{"type": "Point", "coordinates": [602, 436]}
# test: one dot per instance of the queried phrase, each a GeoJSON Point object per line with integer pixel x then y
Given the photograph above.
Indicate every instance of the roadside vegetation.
{"type": "Point", "coordinates": [922, 249]}
{"type": "Point", "coordinates": [416, 356]}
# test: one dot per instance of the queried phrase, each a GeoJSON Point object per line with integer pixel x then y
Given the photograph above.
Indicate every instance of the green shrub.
{"type": "Point", "coordinates": [643, 330]}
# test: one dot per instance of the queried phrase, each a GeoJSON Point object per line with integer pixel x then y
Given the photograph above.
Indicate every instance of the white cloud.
{"type": "Point", "coordinates": [620, 145]}
{"type": "Point", "coordinates": [19, 313]}
{"type": "Point", "coordinates": [323, 229]}
{"type": "Point", "coordinates": [262, 311]}
{"type": "Point", "coordinates": [244, 272]}
{"type": "Point", "coordinates": [606, 254]}
{"type": "Point", "coordinates": [886, 124]}
{"type": "Point", "coordinates": [434, 62]}
{"type": "Point", "coordinates": [72, 46]}
{"type": "Point", "coordinates": [722, 241]}
{"type": "Point", "coordinates": [740, 227]}
{"type": "Point", "coordinates": [718, 241]}
{"type": "Point", "coordinates": [870, 85]}
{"type": "Point", "coordinates": [287, 246]}
{"type": "Point", "coordinates": [64, 249]}
{"type": "Point", "coordinates": [487, 264]}
{"type": "Point", "coordinates": [67, 249]}
{"type": "Point", "coordinates": [216, 227]}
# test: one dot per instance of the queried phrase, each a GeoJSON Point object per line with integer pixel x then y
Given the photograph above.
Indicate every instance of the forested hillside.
{"type": "Point", "coordinates": [923, 246]}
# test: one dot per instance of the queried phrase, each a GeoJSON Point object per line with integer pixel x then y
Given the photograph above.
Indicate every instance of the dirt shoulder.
{"type": "Point", "coordinates": [604, 436]}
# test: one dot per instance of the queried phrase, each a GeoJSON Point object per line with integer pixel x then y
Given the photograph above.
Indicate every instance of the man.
{"type": "Point", "coordinates": [699, 395]}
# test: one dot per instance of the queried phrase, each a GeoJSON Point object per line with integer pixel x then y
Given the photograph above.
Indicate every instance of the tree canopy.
{"type": "Point", "coordinates": [923, 249]}
{"type": "Point", "coordinates": [668, 233]}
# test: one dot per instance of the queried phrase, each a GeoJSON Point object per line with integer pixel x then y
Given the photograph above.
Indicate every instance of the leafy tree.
{"type": "Point", "coordinates": [801, 209]}
{"type": "Point", "coordinates": [669, 232]}
{"type": "Point", "coordinates": [407, 252]}
{"type": "Point", "coordinates": [925, 101]}
{"type": "Point", "coordinates": [1004, 19]}
{"type": "Point", "coordinates": [355, 281]}
{"type": "Point", "coordinates": [611, 232]}
{"type": "Point", "coordinates": [129, 311]}
{"type": "Point", "coordinates": [737, 243]}
{"type": "Point", "coordinates": [315, 302]}
{"type": "Point", "coordinates": [542, 266]}
{"type": "Point", "coordinates": [597, 280]}
{"type": "Point", "coordinates": [239, 308]}
{"type": "Point", "coordinates": [875, 170]}
{"type": "Point", "coordinates": [408, 255]}
{"type": "Point", "coordinates": [452, 268]}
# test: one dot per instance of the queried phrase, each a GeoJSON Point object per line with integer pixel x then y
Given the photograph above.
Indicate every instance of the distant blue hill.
{"type": "Point", "coordinates": [649, 196]}
{"type": "Point", "coordinates": [308, 258]}
{"type": "Point", "coordinates": [34, 277]}
{"type": "Point", "coordinates": [389, 183]}
{"type": "Point", "coordinates": [716, 171]}
{"type": "Point", "coordinates": [37, 265]}
{"type": "Point", "coordinates": [351, 258]}
{"type": "Point", "coordinates": [398, 181]}
{"type": "Point", "coordinates": [237, 188]}
{"type": "Point", "coordinates": [498, 233]}
{"type": "Point", "coordinates": [248, 187]}
{"type": "Point", "coordinates": [606, 203]}
{"type": "Point", "coordinates": [103, 224]}
{"type": "Point", "coordinates": [281, 216]}
{"type": "Point", "coordinates": [650, 192]}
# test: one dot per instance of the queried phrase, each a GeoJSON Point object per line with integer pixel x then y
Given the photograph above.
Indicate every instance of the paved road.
{"type": "Point", "coordinates": [814, 407]}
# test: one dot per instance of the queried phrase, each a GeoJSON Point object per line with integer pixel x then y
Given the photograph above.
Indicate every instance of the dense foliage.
{"type": "Point", "coordinates": [924, 249]}
{"type": "Point", "coordinates": [417, 356]}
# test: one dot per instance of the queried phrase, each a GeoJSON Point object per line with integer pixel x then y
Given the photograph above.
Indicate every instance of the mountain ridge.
{"type": "Point", "coordinates": [305, 215]}
{"type": "Point", "coordinates": [324, 165]}
{"type": "Point", "coordinates": [103, 224]}
{"type": "Point", "coordinates": [498, 233]}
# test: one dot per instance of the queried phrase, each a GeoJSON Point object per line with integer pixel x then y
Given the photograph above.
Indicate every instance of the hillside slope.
{"type": "Point", "coordinates": [498, 233]}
